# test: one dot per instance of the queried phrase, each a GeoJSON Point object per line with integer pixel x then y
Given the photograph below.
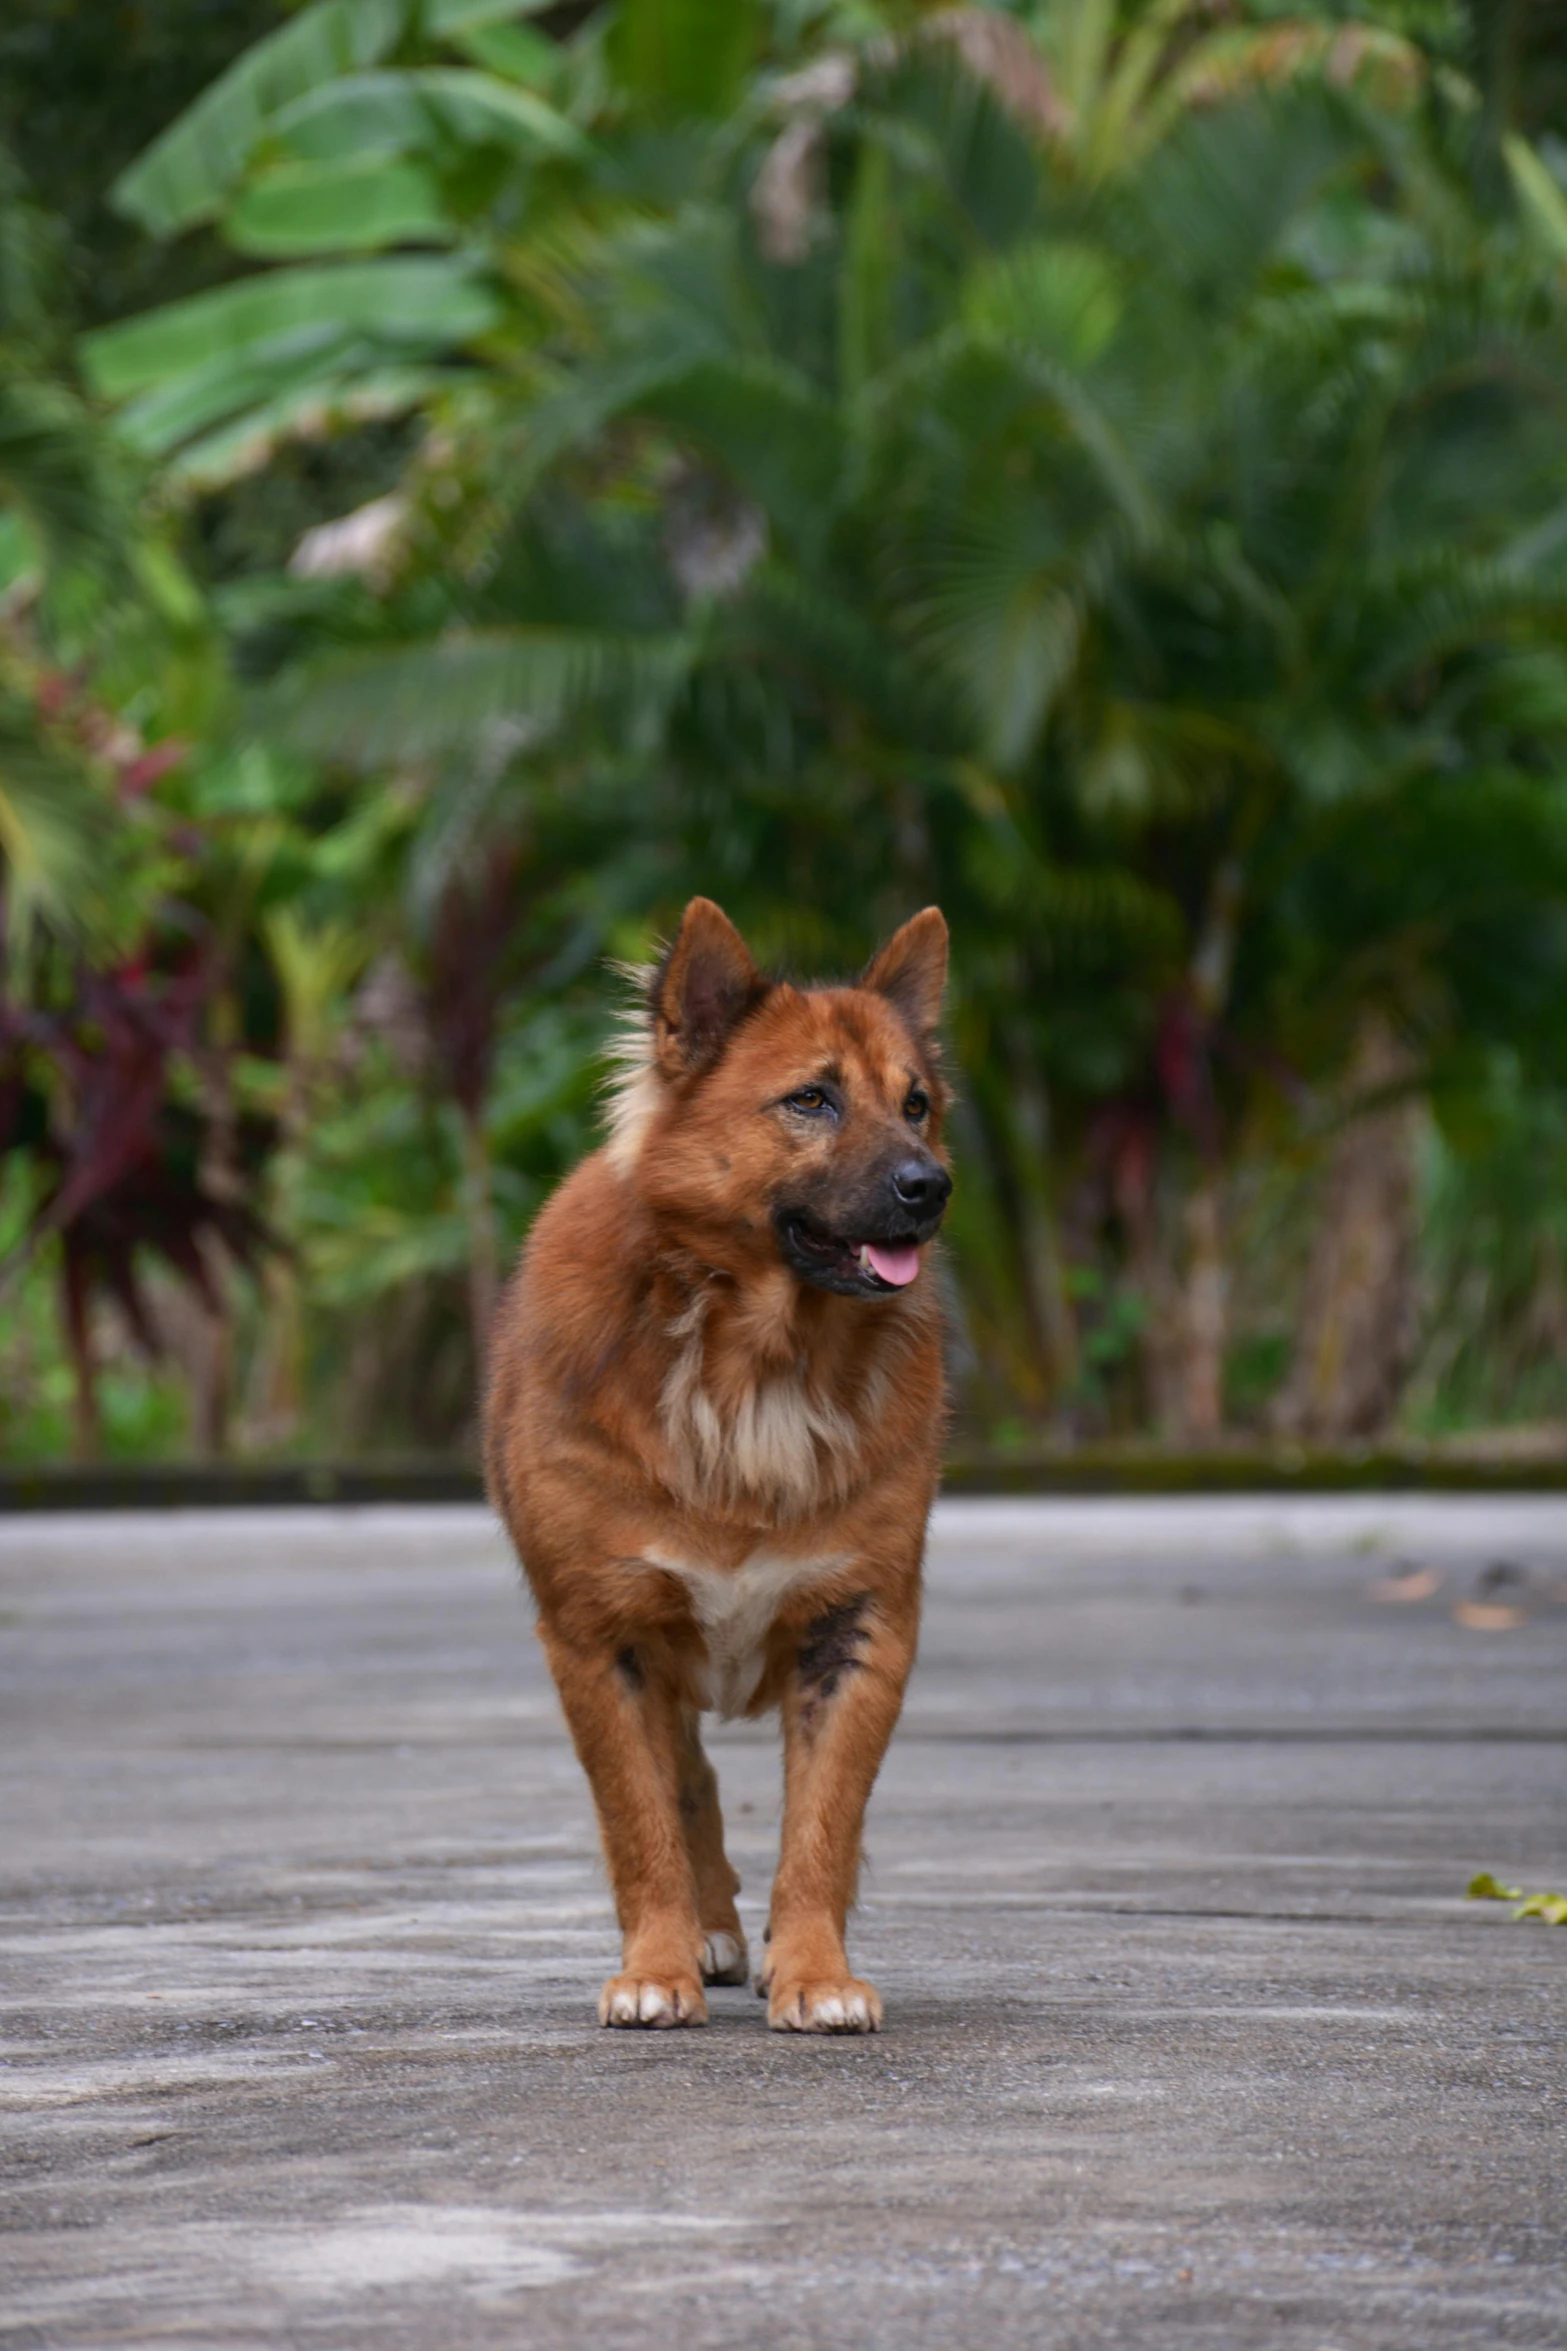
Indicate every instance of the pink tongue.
{"type": "Point", "coordinates": [895, 1265]}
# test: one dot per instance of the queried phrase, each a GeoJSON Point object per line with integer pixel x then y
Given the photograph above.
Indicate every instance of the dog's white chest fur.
{"type": "Point", "coordinates": [735, 1608]}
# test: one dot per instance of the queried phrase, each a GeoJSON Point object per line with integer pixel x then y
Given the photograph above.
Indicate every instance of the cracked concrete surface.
{"type": "Point", "coordinates": [1192, 2039]}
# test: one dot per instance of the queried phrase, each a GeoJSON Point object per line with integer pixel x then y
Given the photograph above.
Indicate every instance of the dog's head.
{"type": "Point", "coordinates": [763, 1120]}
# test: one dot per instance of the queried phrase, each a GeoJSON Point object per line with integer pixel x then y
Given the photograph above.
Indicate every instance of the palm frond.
{"type": "Point", "coordinates": [53, 823]}
{"type": "Point", "coordinates": [58, 470]}
{"type": "Point", "coordinates": [1217, 196]}
{"type": "Point", "coordinates": [1442, 602]}
{"type": "Point", "coordinates": [778, 439]}
{"type": "Point", "coordinates": [411, 703]}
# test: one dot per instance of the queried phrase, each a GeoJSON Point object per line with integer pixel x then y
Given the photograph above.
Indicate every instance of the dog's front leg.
{"type": "Point", "coordinates": [724, 1958]}
{"type": "Point", "coordinates": [627, 1730]}
{"type": "Point", "coordinates": [841, 1702]}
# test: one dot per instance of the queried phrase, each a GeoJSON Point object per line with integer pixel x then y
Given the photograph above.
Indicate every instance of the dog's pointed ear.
{"type": "Point", "coordinates": [704, 986]}
{"type": "Point", "coordinates": [911, 970]}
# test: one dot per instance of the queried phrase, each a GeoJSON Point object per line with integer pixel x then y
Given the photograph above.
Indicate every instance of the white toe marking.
{"type": "Point", "coordinates": [859, 2013]}
{"type": "Point", "coordinates": [830, 2010]}
{"type": "Point", "coordinates": [655, 2003]}
{"type": "Point", "coordinates": [720, 1952]}
{"type": "Point", "coordinates": [623, 2008]}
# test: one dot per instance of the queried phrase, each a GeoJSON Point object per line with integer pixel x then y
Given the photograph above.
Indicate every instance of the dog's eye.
{"type": "Point", "coordinates": [916, 1106]}
{"type": "Point", "coordinates": [809, 1098]}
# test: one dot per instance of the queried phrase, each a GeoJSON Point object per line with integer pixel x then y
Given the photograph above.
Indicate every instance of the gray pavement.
{"type": "Point", "coordinates": [1192, 2039]}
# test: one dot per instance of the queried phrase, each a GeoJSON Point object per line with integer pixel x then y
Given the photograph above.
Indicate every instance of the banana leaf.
{"type": "Point", "coordinates": [357, 207]}
{"type": "Point", "coordinates": [187, 173]}
{"type": "Point", "coordinates": [388, 113]}
{"type": "Point", "coordinates": [422, 301]}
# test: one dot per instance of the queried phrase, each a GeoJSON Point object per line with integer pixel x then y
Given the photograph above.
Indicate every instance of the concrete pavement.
{"type": "Point", "coordinates": [1192, 2039]}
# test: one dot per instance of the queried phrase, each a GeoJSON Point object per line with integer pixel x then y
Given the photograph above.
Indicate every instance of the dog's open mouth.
{"type": "Point", "coordinates": [854, 1267]}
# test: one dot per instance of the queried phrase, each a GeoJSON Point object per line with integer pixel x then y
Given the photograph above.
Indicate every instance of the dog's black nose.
{"type": "Point", "coordinates": [921, 1184]}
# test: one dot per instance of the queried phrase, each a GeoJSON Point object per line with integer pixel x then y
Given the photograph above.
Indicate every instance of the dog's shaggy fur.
{"type": "Point", "coordinates": [714, 1429]}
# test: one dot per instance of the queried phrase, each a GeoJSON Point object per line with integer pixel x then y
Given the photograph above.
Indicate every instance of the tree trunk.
{"type": "Point", "coordinates": [279, 1374]}
{"type": "Point", "coordinates": [87, 1421]}
{"type": "Point", "coordinates": [1202, 1306]}
{"type": "Point", "coordinates": [212, 1381]}
{"type": "Point", "coordinates": [1184, 1337]}
{"type": "Point", "coordinates": [483, 1250]}
{"type": "Point", "coordinates": [193, 1331]}
{"type": "Point", "coordinates": [1205, 1318]}
{"type": "Point", "coordinates": [1137, 1204]}
{"type": "Point", "coordinates": [279, 1380]}
{"type": "Point", "coordinates": [1357, 1325]}
{"type": "Point", "coordinates": [1044, 1291]}
{"type": "Point", "coordinates": [212, 1348]}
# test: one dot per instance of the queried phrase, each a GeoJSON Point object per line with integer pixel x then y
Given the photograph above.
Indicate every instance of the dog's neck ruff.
{"type": "Point", "coordinates": [771, 1441]}
{"type": "Point", "coordinates": [634, 1092]}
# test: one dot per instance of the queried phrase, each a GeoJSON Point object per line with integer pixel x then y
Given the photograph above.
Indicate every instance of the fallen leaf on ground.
{"type": "Point", "coordinates": [1414, 1583]}
{"type": "Point", "coordinates": [1551, 1907]}
{"type": "Point", "coordinates": [1489, 1616]}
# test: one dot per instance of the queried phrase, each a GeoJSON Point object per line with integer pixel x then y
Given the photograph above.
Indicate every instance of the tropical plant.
{"type": "Point", "coordinates": [108, 1148]}
{"type": "Point", "coordinates": [1104, 473]}
{"type": "Point", "coordinates": [132, 1166]}
{"type": "Point", "coordinates": [64, 539]}
{"type": "Point", "coordinates": [1493, 1342]}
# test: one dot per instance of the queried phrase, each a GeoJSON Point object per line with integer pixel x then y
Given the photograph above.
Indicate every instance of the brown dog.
{"type": "Point", "coordinates": [715, 1423]}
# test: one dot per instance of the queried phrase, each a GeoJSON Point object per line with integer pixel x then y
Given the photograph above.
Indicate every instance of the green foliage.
{"type": "Point", "coordinates": [194, 363]}
{"type": "Point", "coordinates": [184, 176]}
{"type": "Point", "coordinates": [1097, 467]}
{"type": "Point", "coordinates": [1495, 1224]}
{"type": "Point", "coordinates": [691, 60]}
{"type": "Point", "coordinates": [83, 89]}
{"type": "Point", "coordinates": [88, 592]}
{"type": "Point", "coordinates": [361, 204]}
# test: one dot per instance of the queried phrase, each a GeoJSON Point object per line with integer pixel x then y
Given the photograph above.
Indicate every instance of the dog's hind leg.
{"type": "Point", "coordinates": [724, 1956]}
{"type": "Point", "coordinates": [627, 1729]}
{"type": "Point", "coordinates": [840, 1707]}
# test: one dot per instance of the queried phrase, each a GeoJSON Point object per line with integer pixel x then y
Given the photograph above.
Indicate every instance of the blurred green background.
{"type": "Point", "coordinates": [473, 473]}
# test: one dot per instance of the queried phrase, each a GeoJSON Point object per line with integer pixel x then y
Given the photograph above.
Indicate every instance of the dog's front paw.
{"type": "Point", "coordinates": [725, 1959]}
{"type": "Point", "coordinates": [837, 2005]}
{"type": "Point", "coordinates": [652, 2002]}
